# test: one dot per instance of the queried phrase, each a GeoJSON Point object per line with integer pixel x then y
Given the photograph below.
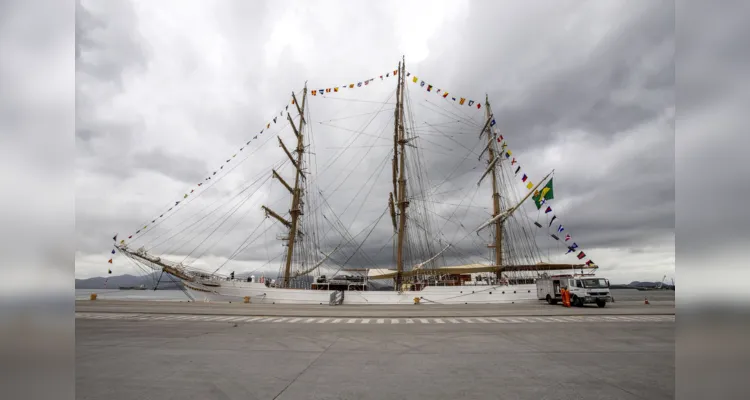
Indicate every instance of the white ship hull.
{"type": "Point", "coordinates": [259, 293]}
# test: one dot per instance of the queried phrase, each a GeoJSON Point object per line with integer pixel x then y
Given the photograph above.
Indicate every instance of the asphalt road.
{"type": "Point", "coordinates": [167, 359]}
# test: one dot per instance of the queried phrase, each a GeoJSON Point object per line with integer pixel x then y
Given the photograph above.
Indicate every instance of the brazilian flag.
{"type": "Point", "coordinates": [546, 193]}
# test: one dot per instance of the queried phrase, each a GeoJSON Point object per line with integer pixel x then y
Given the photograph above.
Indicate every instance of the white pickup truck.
{"type": "Point", "coordinates": [584, 289]}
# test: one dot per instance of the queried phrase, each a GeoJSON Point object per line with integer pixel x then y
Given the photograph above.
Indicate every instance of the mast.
{"type": "Point", "coordinates": [296, 209]}
{"type": "Point", "coordinates": [399, 144]}
{"type": "Point", "coordinates": [493, 160]}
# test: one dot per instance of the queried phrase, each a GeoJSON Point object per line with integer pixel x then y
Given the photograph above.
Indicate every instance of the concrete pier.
{"type": "Point", "coordinates": [144, 350]}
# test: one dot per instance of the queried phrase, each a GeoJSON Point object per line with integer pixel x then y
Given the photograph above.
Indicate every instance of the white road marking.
{"type": "Point", "coordinates": [467, 320]}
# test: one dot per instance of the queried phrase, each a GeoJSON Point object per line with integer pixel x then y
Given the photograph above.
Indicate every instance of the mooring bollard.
{"type": "Point", "coordinates": [93, 296]}
{"type": "Point", "coordinates": [247, 299]}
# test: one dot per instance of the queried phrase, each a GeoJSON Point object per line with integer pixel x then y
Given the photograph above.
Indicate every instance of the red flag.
{"type": "Point", "coordinates": [110, 261]}
{"type": "Point", "coordinates": [479, 105]}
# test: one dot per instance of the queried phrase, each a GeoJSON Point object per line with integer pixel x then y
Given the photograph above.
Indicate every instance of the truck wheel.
{"type": "Point", "coordinates": [549, 299]}
{"type": "Point", "coordinates": [601, 303]}
{"type": "Point", "coordinates": [576, 301]}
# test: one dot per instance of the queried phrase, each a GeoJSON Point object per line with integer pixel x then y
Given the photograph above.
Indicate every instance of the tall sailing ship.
{"type": "Point", "coordinates": [436, 257]}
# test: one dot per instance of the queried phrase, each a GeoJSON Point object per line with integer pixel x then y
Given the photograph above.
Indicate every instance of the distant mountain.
{"type": "Point", "coordinates": [114, 282]}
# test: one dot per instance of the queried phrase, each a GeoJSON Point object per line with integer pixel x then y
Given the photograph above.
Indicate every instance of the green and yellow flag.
{"type": "Point", "coordinates": [545, 194]}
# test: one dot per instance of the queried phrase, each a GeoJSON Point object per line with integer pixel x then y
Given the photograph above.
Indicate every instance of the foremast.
{"type": "Point", "coordinates": [399, 177]}
{"type": "Point", "coordinates": [296, 191]}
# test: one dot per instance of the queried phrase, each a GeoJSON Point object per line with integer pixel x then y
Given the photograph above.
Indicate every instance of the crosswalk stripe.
{"type": "Point", "coordinates": [366, 321]}
{"type": "Point", "coordinates": [394, 321]}
{"type": "Point", "coordinates": [482, 320]}
{"type": "Point", "coordinates": [309, 320]}
{"type": "Point", "coordinates": [336, 321]}
{"type": "Point", "coordinates": [380, 321]}
{"type": "Point", "coordinates": [439, 321]}
{"type": "Point", "coordinates": [424, 321]}
{"type": "Point", "coordinates": [498, 320]}
{"type": "Point", "coordinates": [454, 321]}
{"type": "Point", "coordinates": [320, 321]}
{"type": "Point", "coordinates": [409, 321]}
{"type": "Point", "coordinates": [468, 320]}
{"type": "Point", "coordinates": [351, 321]}
{"type": "Point", "coordinates": [293, 320]}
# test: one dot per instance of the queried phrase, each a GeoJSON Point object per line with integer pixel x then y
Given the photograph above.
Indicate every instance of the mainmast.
{"type": "Point", "coordinates": [399, 168]}
{"type": "Point", "coordinates": [296, 191]}
{"type": "Point", "coordinates": [493, 160]}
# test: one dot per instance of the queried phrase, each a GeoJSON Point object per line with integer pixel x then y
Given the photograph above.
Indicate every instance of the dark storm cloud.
{"type": "Point", "coordinates": [549, 79]}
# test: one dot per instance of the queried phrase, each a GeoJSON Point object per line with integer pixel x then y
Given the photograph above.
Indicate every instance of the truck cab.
{"type": "Point", "coordinates": [584, 289]}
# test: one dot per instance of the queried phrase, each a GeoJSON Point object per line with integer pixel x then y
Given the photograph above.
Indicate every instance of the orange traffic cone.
{"type": "Point", "coordinates": [645, 301]}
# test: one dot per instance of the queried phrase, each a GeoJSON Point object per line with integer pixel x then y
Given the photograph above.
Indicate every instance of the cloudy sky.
{"type": "Point", "coordinates": [166, 91]}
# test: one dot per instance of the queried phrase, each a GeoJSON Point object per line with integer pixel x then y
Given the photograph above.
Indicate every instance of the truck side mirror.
{"type": "Point", "coordinates": [607, 280]}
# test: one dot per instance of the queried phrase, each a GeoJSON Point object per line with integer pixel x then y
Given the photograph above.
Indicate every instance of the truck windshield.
{"type": "Point", "coordinates": [595, 283]}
